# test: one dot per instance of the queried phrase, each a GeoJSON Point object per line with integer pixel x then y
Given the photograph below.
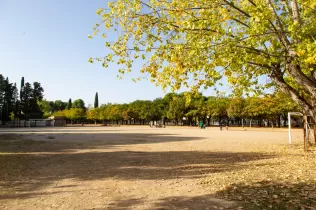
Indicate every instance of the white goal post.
{"type": "Point", "coordinates": [289, 122]}
{"type": "Point", "coordinates": [307, 129]}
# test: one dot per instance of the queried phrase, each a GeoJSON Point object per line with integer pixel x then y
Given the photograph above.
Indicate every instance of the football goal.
{"type": "Point", "coordinates": [309, 131]}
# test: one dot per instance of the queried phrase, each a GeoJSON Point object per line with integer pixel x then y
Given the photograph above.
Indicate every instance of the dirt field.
{"type": "Point", "coordinates": [144, 168]}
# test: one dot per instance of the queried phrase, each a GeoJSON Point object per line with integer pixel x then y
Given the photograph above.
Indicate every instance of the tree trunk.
{"type": "Point", "coordinates": [314, 133]}
{"type": "Point", "coordinates": [250, 123]}
{"type": "Point", "coordinates": [304, 130]}
{"type": "Point", "coordinates": [279, 121]}
{"type": "Point", "coordinates": [242, 122]}
{"type": "Point", "coordinates": [295, 12]}
{"type": "Point", "coordinates": [298, 75]}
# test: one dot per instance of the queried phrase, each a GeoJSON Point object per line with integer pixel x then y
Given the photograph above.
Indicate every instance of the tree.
{"type": "Point", "coordinates": [69, 104]}
{"type": "Point", "coordinates": [26, 99]}
{"type": "Point", "coordinates": [134, 110]}
{"type": "Point", "coordinates": [2, 93]}
{"type": "Point", "coordinates": [46, 108]}
{"type": "Point", "coordinates": [102, 113]}
{"type": "Point", "coordinates": [158, 109]}
{"type": "Point", "coordinates": [124, 112]}
{"type": "Point", "coordinates": [59, 105]}
{"type": "Point", "coordinates": [79, 103]}
{"type": "Point", "coordinates": [74, 114]}
{"type": "Point", "coordinates": [21, 95]}
{"type": "Point", "coordinates": [96, 100]}
{"type": "Point", "coordinates": [240, 40]}
{"type": "Point", "coordinates": [31, 95]}
{"type": "Point", "coordinates": [8, 99]}
{"type": "Point", "coordinates": [253, 108]}
{"type": "Point", "coordinates": [236, 109]}
{"type": "Point", "coordinates": [217, 107]}
{"type": "Point", "coordinates": [176, 108]}
{"type": "Point", "coordinates": [285, 105]}
{"type": "Point", "coordinates": [93, 114]}
{"type": "Point", "coordinates": [15, 101]}
{"type": "Point", "coordinates": [269, 109]}
{"type": "Point", "coordinates": [37, 91]}
{"type": "Point", "coordinates": [196, 108]}
{"type": "Point", "coordinates": [145, 108]}
{"type": "Point", "coordinates": [36, 96]}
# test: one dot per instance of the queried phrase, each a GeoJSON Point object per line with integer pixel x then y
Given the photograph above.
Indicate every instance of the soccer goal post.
{"type": "Point", "coordinates": [290, 124]}
{"type": "Point", "coordinates": [307, 127]}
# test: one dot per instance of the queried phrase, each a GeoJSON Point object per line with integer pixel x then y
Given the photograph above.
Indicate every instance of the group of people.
{"type": "Point", "coordinates": [155, 124]}
{"type": "Point", "coordinates": [202, 125]}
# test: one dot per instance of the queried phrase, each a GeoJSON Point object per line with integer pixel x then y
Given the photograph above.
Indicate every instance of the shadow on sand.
{"type": "Point", "coordinates": [31, 162]}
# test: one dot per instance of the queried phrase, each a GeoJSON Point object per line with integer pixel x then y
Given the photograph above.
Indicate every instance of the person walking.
{"type": "Point", "coordinates": [201, 124]}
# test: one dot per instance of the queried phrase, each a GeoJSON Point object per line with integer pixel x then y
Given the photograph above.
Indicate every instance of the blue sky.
{"type": "Point", "coordinates": [46, 41]}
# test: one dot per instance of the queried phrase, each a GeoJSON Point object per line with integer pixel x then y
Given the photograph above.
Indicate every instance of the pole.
{"type": "Point", "coordinates": [305, 136]}
{"type": "Point", "coordinates": [306, 130]}
{"type": "Point", "coordinates": [289, 122]}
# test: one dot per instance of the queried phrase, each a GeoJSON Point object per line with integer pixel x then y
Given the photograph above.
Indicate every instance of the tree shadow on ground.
{"type": "Point", "coordinates": [28, 165]}
{"type": "Point", "coordinates": [255, 196]}
{"type": "Point", "coordinates": [273, 195]}
{"type": "Point", "coordinates": [38, 164]}
{"type": "Point", "coordinates": [63, 142]}
{"type": "Point", "coordinates": [127, 165]}
{"type": "Point", "coordinates": [204, 202]}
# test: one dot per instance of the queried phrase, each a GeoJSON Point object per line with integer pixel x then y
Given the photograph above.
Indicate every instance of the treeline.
{"type": "Point", "coordinates": [59, 107]}
{"type": "Point", "coordinates": [19, 104]}
{"type": "Point", "coordinates": [270, 110]}
{"type": "Point", "coordinates": [27, 102]}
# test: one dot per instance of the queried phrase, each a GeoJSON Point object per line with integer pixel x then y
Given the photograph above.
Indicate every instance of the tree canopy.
{"type": "Point", "coordinates": [269, 110]}
{"type": "Point", "coordinates": [23, 103]}
{"type": "Point", "coordinates": [79, 103]}
{"type": "Point", "coordinates": [244, 41]}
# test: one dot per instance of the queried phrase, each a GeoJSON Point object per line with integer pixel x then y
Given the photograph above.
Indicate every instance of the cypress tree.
{"type": "Point", "coordinates": [22, 85]}
{"type": "Point", "coordinates": [96, 100]}
{"type": "Point", "coordinates": [69, 105]}
{"type": "Point", "coordinates": [21, 96]}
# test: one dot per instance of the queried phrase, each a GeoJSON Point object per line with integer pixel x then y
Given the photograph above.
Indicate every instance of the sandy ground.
{"type": "Point", "coordinates": [125, 167]}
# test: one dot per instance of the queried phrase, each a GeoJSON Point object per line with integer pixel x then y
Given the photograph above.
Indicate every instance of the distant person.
{"type": "Point", "coordinates": [220, 126]}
